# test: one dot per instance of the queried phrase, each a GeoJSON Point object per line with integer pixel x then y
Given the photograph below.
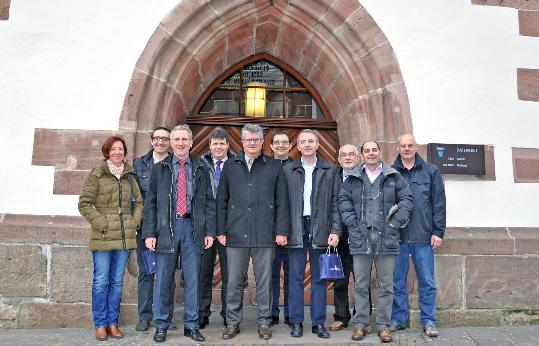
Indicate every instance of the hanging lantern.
{"type": "Point", "coordinates": [255, 101]}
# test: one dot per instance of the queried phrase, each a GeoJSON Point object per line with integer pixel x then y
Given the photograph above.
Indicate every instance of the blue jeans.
{"type": "Point", "coordinates": [423, 260]}
{"type": "Point", "coordinates": [297, 260]}
{"type": "Point", "coordinates": [278, 261]}
{"type": "Point", "coordinates": [164, 277]}
{"type": "Point", "coordinates": [107, 284]}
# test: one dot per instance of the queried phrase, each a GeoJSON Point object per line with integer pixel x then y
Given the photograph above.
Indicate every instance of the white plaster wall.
{"type": "Point", "coordinates": [459, 64]}
{"type": "Point", "coordinates": [64, 64]}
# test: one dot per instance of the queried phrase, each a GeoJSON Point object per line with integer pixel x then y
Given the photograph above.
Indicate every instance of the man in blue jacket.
{"type": "Point", "coordinates": [420, 237]}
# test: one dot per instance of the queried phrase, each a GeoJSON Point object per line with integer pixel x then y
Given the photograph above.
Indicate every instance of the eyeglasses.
{"type": "Point", "coordinates": [305, 141]}
{"type": "Point", "coordinates": [252, 140]}
{"type": "Point", "coordinates": [281, 142]}
{"type": "Point", "coordinates": [347, 155]}
{"type": "Point", "coordinates": [162, 139]}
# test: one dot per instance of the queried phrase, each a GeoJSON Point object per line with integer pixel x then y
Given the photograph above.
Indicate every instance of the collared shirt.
{"type": "Point", "coordinates": [176, 169]}
{"type": "Point", "coordinates": [249, 161]}
{"type": "Point", "coordinates": [308, 186]}
{"type": "Point", "coordinates": [222, 162]}
{"type": "Point", "coordinates": [374, 174]}
{"type": "Point", "coordinates": [344, 175]}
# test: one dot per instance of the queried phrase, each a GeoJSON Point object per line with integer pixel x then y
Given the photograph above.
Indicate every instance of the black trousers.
{"type": "Point", "coordinates": [207, 265]}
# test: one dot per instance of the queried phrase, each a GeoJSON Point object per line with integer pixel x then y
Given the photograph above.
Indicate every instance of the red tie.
{"type": "Point", "coordinates": [181, 208]}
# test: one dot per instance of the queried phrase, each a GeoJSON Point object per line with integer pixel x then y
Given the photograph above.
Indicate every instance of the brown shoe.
{"type": "Point", "coordinates": [385, 336]}
{"type": "Point", "coordinates": [230, 332]}
{"type": "Point", "coordinates": [358, 334]}
{"type": "Point", "coordinates": [264, 332]}
{"type": "Point", "coordinates": [337, 325]}
{"type": "Point", "coordinates": [101, 333]}
{"type": "Point", "coordinates": [115, 332]}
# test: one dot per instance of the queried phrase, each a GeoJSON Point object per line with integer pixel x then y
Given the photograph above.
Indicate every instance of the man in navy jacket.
{"type": "Point", "coordinates": [420, 237]}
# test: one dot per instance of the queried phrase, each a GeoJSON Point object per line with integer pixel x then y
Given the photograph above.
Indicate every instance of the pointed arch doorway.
{"type": "Point", "coordinates": [287, 103]}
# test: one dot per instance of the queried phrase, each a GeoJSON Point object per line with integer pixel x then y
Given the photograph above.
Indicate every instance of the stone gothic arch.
{"type": "Point", "coordinates": [337, 46]}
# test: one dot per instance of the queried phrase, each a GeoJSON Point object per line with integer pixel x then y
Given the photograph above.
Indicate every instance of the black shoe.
{"type": "Point", "coordinates": [142, 326]}
{"type": "Point", "coordinates": [194, 334]}
{"type": "Point", "coordinates": [203, 322]}
{"type": "Point", "coordinates": [287, 321]}
{"type": "Point", "coordinates": [320, 331]}
{"type": "Point", "coordinates": [160, 335]}
{"type": "Point", "coordinates": [297, 330]}
{"type": "Point", "coordinates": [274, 320]}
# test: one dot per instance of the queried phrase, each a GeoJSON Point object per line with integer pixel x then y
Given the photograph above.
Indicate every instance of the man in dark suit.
{"type": "Point", "coordinates": [252, 215]}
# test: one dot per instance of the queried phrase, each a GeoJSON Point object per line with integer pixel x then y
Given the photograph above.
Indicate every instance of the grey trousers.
{"type": "Point", "coordinates": [238, 264]}
{"type": "Point", "coordinates": [385, 265]}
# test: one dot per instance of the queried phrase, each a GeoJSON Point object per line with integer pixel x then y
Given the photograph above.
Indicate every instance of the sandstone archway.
{"type": "Point", "coordinates": [337, 46]}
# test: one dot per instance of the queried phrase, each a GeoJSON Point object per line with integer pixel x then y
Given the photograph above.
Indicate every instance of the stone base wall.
{"type": "Point", "coordinates": [485, 276]}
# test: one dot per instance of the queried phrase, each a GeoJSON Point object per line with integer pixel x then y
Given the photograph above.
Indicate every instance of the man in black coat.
{"type": "Point", "coordinates": [313, 190]}
{"type": "Point", "coordinates": [252, 215]}
{"type": "Point", "coordinates": [280, 145]}
{"type": "Point", "coordinates": [179, 219]}
{"type": "Point", "coordinates": [160, 141]}
{"type": "Point", "coordinates": [214, 160]}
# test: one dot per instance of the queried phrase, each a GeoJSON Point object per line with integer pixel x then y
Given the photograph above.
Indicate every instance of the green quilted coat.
{"type": "Point", "coordinates": [105, 202]}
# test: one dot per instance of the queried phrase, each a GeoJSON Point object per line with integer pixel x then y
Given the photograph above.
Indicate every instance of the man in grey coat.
{"type": "Point", "coordinates": [252, 216]}
{"type": "Point", "coordinates": [375, 202]}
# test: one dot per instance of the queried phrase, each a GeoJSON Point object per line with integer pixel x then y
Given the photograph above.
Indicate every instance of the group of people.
{"type": "Point", "coordinates": [278, 213]}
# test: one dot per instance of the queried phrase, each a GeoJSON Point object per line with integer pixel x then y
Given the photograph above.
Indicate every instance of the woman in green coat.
{"type": "Point", "coordinates": [111, 202]}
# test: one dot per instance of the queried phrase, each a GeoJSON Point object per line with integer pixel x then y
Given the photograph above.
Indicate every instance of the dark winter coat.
{"type": "Point", "coordinates": [159, 211]}
{"type": "Point", "coordinates": [106, 203]}
{"type": "Point", "coordinates": [395, 190]}
{"type": "Point", "coordinates": [325, 217]}
{"type": "Point", "coordinates": [252, 207]}
{"type": "Point", "coordinates": [428, 215]}
{"type": "Point", "coordinates": [208, 161]}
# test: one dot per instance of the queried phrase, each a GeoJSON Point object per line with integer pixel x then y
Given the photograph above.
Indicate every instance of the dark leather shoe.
{"type": "Point", "coordinates": [101, 333]}
{"type": "Point", "coordinates": [297, 330]}
{"type": "Point", "coordinates": [194, 334]}
{"type": "Point", "coordinates": [358, 334]}
{"type": "Point", "coordinates": [142, 326]}
{"type": "Point", "coordinates": [320, 331]}
{"type": "Point", "coordinates": [203, 322]}
{"type": "Point", "coordinates": [115, 332]}
{"type": "Point", "coordinates": [160, 335]}
{"type": "Point", "coordinates": [274, 320]}
{"type": "Point", "coordinates": [230, 332]}
{"type": "Point", "coordinates": [264, 332]}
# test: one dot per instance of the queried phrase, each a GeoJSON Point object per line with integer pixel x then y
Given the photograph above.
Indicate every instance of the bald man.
{"type": "Point", "coordinates": [419, 239]}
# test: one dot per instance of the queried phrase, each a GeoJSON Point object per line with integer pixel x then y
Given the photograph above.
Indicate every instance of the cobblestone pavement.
{"type": "Point", "coordinates": [488, 336]}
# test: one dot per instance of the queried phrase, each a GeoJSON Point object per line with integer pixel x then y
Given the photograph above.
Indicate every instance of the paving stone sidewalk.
{"type": "Point", "coordinates": [488, 336]}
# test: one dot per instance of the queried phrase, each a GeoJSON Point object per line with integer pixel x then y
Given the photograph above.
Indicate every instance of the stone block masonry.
{"type": "Point", "coordinates": [485, 276]}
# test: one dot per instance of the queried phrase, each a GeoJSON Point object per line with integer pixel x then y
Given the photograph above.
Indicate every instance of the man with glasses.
{"type": "Point", "coordinates": [179, 223]}
{"type": "Point", "coordinates": [280, 145]}
{"type": "Point", "coordinates": [348, 159]}
{"type": "Point", "coordinates": [252, 216]}
{"type": "Point", "coordinates": [313, 190]}
{"type": "Point", "coordinates": [375, 202]}
{"type": "Point", "coordinates": [160, 141]}
{"type": "Point", "coordinates": [419, 239]}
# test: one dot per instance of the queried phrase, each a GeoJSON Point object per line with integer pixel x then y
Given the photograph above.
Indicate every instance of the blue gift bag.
{"type": "Point", "coordinates": [149, 261]}
{"type": "Point", "coordinates": [331, 265]}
